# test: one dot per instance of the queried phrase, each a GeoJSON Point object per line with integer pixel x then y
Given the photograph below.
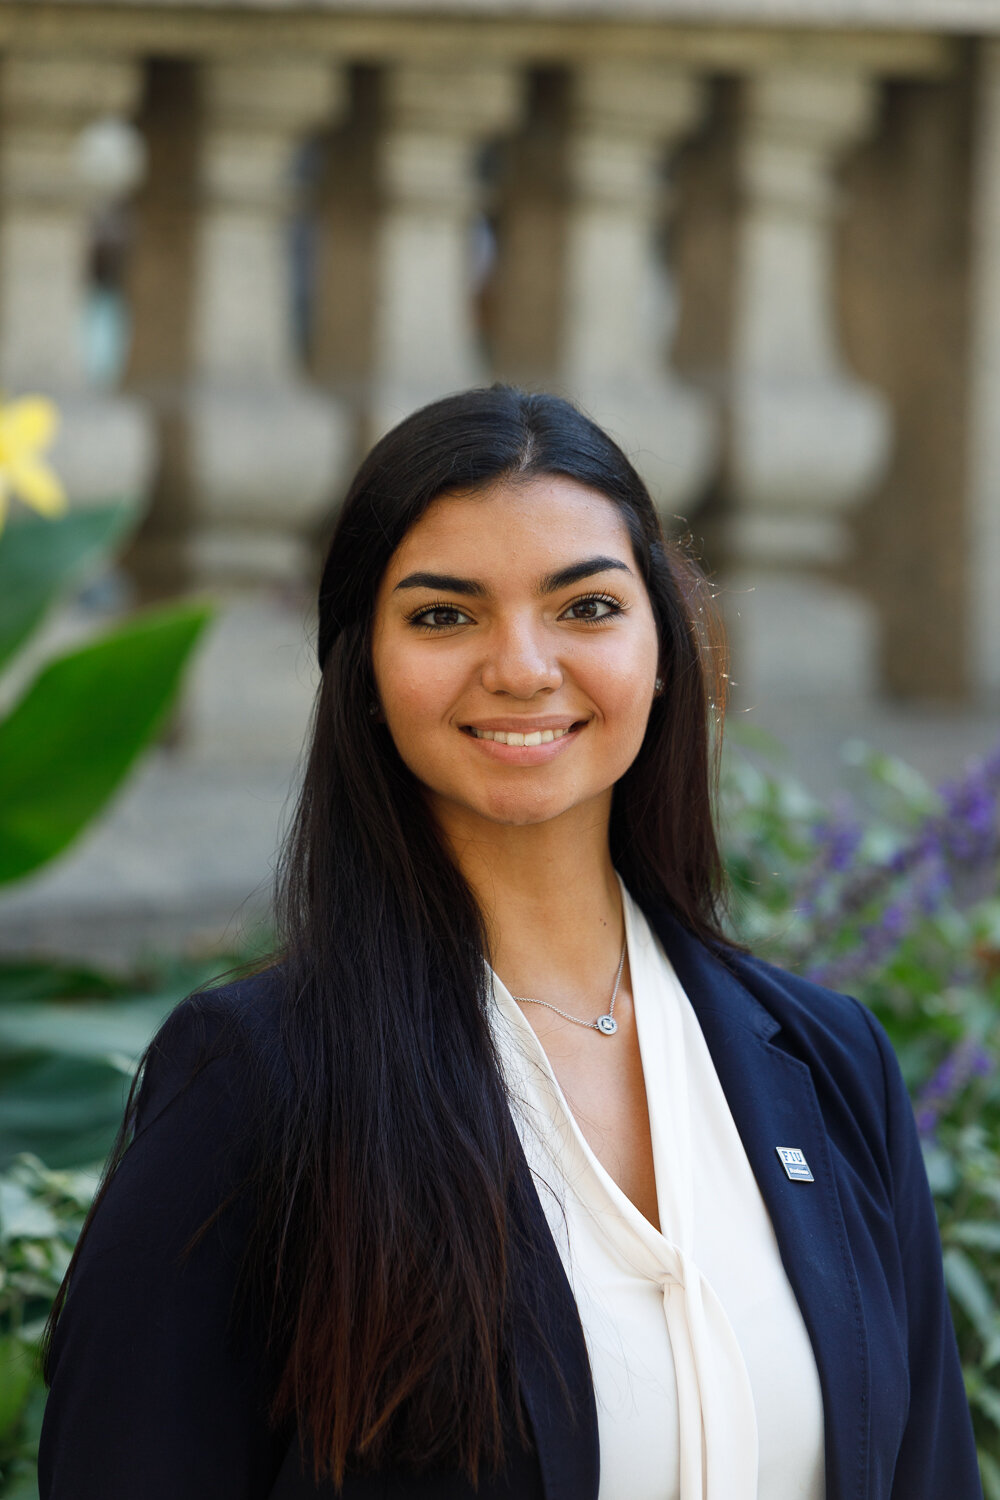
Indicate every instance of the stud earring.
{"type": "Point", "coordinates": [658, 685]}
{"type": "Point", "coordinates": [373, 710]}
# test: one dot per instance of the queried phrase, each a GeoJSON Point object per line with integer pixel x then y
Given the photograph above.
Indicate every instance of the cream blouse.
{"type": "Point", "coordinates": [703, 1371]}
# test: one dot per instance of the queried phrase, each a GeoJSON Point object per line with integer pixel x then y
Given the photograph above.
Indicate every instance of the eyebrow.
{"type": "Point", "coordinates": [472, 588]}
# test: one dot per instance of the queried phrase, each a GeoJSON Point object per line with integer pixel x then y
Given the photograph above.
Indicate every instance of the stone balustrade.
{"type": "Point", "coordinates": [343, 216]}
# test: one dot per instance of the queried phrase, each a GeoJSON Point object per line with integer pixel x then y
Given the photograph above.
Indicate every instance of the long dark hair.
{"type": "Point", "coordinates": [393, 1204]}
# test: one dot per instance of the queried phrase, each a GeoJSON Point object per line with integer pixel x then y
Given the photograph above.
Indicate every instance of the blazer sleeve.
{"type": "Point", "coordinates": [937, 1455]}
{"type": "Point", "coordinates": [152, 1394]}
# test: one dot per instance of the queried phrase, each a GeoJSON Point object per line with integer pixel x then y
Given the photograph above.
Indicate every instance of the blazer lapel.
{"type": "Point", "coordinates": [773, 1102]}
{"type": "Point", "coordinates": [560, 1404]}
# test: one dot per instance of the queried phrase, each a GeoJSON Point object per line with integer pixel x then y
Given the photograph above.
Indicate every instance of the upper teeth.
{"type": "Point", "coordinates": [511, 737]}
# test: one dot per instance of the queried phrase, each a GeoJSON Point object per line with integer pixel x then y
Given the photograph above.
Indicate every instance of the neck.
{"type": "Point", "coordinates": [550, 898]}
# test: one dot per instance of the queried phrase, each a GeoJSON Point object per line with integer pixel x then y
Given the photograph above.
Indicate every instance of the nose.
{"type": "Point", "coordinates": [521, 661]}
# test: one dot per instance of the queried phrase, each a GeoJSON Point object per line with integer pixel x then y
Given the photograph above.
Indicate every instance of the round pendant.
{"type": "Point", "coordinates": [607, 1025]}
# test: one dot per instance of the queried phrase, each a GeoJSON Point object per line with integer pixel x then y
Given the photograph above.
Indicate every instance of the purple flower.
{"type": "Point", "coordinates": [949, 855]}
{"type": "Point", "coordinates": [966, 1060]}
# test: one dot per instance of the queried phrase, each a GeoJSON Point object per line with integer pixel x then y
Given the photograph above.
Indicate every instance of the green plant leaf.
{"type": "Point", "coordinates": [977, 1236]}
{"type": "Point", "coordinates": [23, 1216]}
{"type": "Point", "coordinates": [971, 1293]}
{"type": "Point", "coordinates": [22, 1483]}
{"type": "Point", "coordinates": [986, 1399]}
{"type": "Point", "coordinates": [50, 979]}
{"type": "Point", "coordinates": [65, 1109]}
{"type": "Point", "coordinates": [990, 1471]}
{"type": "Point", "coordinates": [68, 743]}
{"type": "Point", "coordinates": [40, 559]}
{"type": "Point", "coordinates": [17, 1372]}
{"type": "Point", "coordinates": [73, 1029]}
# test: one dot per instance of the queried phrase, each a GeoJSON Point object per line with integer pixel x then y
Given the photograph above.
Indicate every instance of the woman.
{"type": "Point", "coordinates": [510, 1176]}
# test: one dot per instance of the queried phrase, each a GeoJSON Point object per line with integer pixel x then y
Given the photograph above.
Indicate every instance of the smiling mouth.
{"type": "Point", "coordinates": [512, 737]}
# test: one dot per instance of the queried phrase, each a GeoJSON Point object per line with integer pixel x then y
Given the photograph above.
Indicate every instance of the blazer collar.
{"type": "Point", "coordinates": [773, 1101]}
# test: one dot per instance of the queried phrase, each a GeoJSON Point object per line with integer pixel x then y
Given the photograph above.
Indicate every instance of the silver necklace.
{"type": "Point", "coordinates": [606, 1024]}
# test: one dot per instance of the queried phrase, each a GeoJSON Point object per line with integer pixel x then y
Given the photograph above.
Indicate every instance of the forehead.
{"type": "Point", "coordinates": [533, 523]}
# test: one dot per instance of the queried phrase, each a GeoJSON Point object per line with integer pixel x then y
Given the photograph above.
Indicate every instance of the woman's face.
{"type": "Point", "coordinates": [515, 654]}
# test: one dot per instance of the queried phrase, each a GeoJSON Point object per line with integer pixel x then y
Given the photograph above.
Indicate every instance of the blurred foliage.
{"type": "Point", "coordinates": [41, 1214]}
{"type": "Point", "coordinates": [70, 1039]}
{"type": "Point", "coordinates": [891, 893]}
{"type": "Point", "coordinates": [42, 561]}
{"type": "Point", "coordinates": [74, 731]}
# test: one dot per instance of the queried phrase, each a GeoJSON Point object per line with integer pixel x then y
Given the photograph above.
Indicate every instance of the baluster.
{"type": "Point", "coordinates": [435, 121]}
{"type": "Point", "coordinates": [808, 441]}
{"type": "Point", "coordinates": [265, 452]}
{"type": "Point", "coordinates": [624, 122]}
{"type": "Point", "coordinates": [49, 194]}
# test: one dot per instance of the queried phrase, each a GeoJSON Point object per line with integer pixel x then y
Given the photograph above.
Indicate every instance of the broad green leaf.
{"type": "Point", "coordinates": [986, 1399]}
{"type": "Point", "coordinates": [17, 1372]}
{"type": "Point", "coordinates": [98, 1032]}
{"type": "Point", "coordinates": [65, 1071]}
{"type": "Point", "coordinates": [971, 1293]}
{"type": "Point", "coordinates": [22, 1216]}
{"type": "Point", "coordinates": [40, 559]}
{"type": "Point", "coordinates": [983, 1235]}
{"type": "Point", "coordinates": [62, 1058]}
{"type": "Point", "coordinates": [68, 743]}
{"type": "Point", "coordinates": [940, 1168]}
{"type": "Point", "coordinates": [64, 1109]}
{"type": "Point", "coordinates": [990, 1471]}
{"type": "Point", "coordinates": [22, 1484]}
{"type": "Point", "coordinates": [49, 979]}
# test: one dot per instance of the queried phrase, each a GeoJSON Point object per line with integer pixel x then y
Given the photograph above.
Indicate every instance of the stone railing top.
{"type": "Point", "coordinates": [968, 16]}
{"type": "Point", "coordinates": [905, 37]}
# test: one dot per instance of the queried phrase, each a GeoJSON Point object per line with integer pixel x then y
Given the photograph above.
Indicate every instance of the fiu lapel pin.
{"type": "Point", "coordinates": [795, 1165]}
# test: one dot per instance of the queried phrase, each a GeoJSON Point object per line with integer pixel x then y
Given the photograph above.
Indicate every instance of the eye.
{"type": "Point", "coordinates": [438, 617]}
{"type": "Point", "coordinates": [594, 608]}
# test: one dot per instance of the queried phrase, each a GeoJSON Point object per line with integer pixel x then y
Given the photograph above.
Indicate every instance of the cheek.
{"type": "Point", "coordinates": [630, 723]}
{"type": "Point", "coordinates": [414, 695]}
{"type": "Point", "coordinates": [621, 683]}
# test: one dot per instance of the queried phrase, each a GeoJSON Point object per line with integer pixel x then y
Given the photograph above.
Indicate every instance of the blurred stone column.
{"type": "Point", "coordinates": [55, 174]}
{"type": "Point", "coordinates": [984, 419]}
{"type": "Point", "coordinates": [625, 119]}
{"type": "Point", "coordinates": [435, 119]}
{"type": "Point", "coordinates": [808, 441]}
{"type": "Point", "coordinates": [347, 217]}
{"type": "Point", "coordinates": [264, 452]}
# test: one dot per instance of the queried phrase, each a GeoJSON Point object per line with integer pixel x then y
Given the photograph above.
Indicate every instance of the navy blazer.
{"type": "Point", "coordinates": [151, 1400]}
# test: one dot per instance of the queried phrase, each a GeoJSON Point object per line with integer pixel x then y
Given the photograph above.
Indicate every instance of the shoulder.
{"type": "Point", "coordinates": [214, 1047]}
{"type": "Point", "coordinates": [842, 1041]}
{"type": "Point", "coordinates": [851, 1061]}
{"type": "Point", "coordinates": [731, 988]}
{"type": "Point", "coordinates": [816, 1017]}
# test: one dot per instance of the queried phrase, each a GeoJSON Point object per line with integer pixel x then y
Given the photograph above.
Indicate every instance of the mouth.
{"type": "Point", "coordinates": [520, 738]}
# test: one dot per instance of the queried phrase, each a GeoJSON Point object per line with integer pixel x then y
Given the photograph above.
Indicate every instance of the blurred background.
{"type": "Point", "coordinates": [757, 240]}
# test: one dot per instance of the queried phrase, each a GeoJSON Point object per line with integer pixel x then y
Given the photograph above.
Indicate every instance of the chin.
{"type": "Point", "coordinates": [519, 811]}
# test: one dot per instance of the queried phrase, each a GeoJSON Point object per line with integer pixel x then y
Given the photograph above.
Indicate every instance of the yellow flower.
{"type": "Point", "coordinates": [26, 427]}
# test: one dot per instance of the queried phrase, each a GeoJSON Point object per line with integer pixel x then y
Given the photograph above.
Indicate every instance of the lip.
{"type": "Point", "coordinates": [523, 726]}
{"type": "Point", "coordinates": [526, 755]}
